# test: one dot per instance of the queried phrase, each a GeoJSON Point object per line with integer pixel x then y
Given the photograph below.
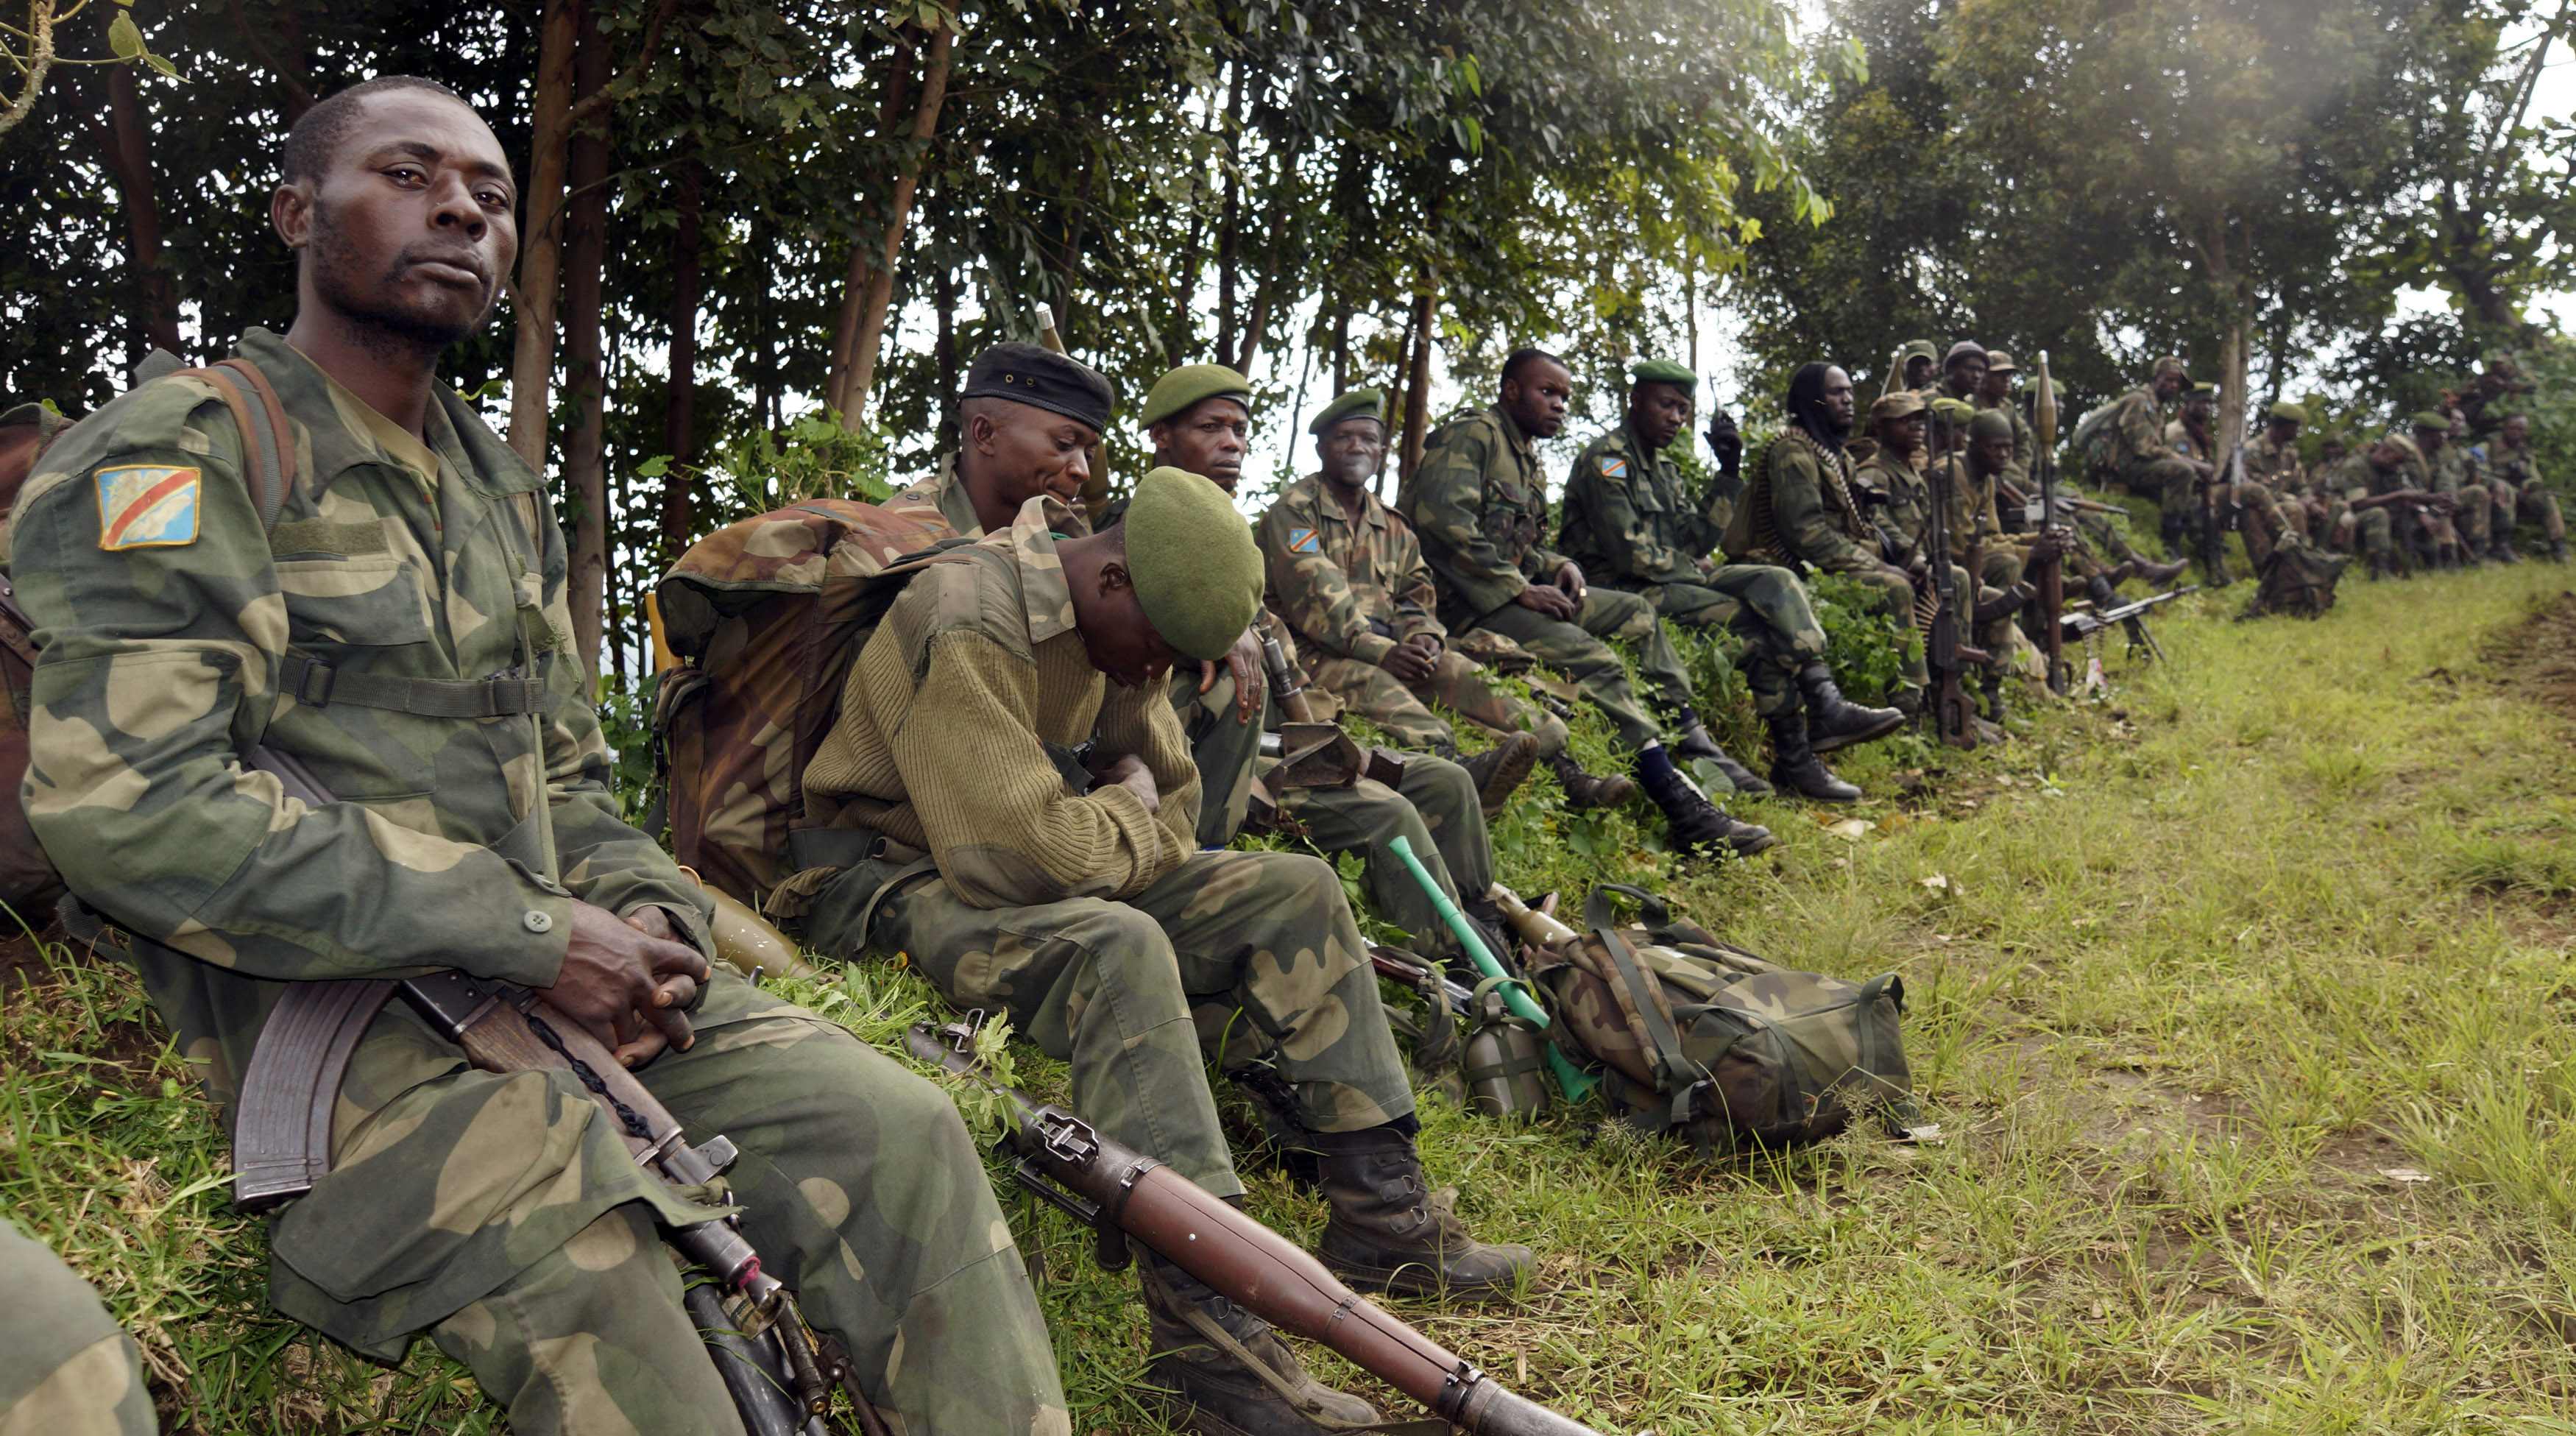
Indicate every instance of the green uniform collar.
{"type": "Point", "coordinates": [1521, 443]}
{"type": "Point", "coordinates": [1044, 592]}
{"type": "Point", "coordinates": [308, 395]}
{"type": "Point", "coordinates": [1372, 512]}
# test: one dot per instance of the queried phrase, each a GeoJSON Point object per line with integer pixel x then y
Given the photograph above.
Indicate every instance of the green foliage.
{"type": "Point", "coordinates": [812, 458]}
{"type": "Point", "coordinates": [1865, 647]}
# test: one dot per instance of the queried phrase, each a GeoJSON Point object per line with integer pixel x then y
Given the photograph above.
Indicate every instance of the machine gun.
{"type": "Point", "coordinates": [1953, 719]}
{"type": "Point", "coordinates": [780, 1377]}
{"type": "Point", "coordinates": [1120, 1193]}
{"type": "Point", "coordinates": [2130, 616]}
{"type": "Point", "coordinates": [2052, 569]}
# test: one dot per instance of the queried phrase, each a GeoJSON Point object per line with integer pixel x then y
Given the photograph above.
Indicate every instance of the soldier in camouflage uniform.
{"type": "Point", "coordinates": [1022, 804]}
{"type": "Point", "coordinates": [66, 1369]}
{"type": "Point", "coordinates": [1347, 577]}
{"type": "Point", "coordinates": [1799, 510]}
{"type": "Point", "coordinates": [2389, 515]}
{"type": "Point", "coordinates": [2510, 458]}
{"type": "Point", "coordinates": [1478, 503]}
{"type": "Point", "coordinates": [2461, 541]}
{"type": "Point", "coordinates": [1963, 374]}
{"type": "Point", "coordinates": [401, 630]}
{"type": "Point", "coordinates": [1995, 395]}
{"type": "Point", "coordinates": [1630, 524]}
{"type": "Point", "coordinates": [2146, 463]}
{"type": "Point", "coordinates": [2273, 462]}
{"type": "Point", "coordinates": [1916, 363]}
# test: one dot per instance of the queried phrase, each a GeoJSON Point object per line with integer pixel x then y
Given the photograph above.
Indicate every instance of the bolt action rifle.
{"type": "Point", "coordinates": [1120, 1193]}
{"type": "Point", "coordinates": [1952, 717]}
{"type": "Point", "coordinates": [2052, 570]}
{"type": "Point", "coordinates": [779, 1374]}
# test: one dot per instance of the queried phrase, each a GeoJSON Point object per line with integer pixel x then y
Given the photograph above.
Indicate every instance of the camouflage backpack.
{"type": "Point", "coordinates": [1706, 1040]}
{"type": "Point", "coordinates": [766, 616]}
{"type": "Point", "coordinates": [28, 883]}
{"type": "Point", "coordinates": [2298, 580]}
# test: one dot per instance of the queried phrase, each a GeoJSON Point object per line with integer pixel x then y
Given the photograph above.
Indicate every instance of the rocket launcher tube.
{"type": "Point", "coordinates": [1575, 1083]}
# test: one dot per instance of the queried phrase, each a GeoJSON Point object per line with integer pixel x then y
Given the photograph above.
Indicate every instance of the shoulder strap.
{"type": "Point", "coordinates": [268, 444]}
{"type": "Point", "coordinates": [1679, 1075]}
{"type": "Point", "coordinates": [1598, 911]}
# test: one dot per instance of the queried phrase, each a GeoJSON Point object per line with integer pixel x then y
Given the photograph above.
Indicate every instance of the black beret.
{"type": "Point", "coordinates": [1041, 378]}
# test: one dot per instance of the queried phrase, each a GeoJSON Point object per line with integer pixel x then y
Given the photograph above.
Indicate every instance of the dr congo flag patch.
{"type": "Point", "coordinates": [146, 506]}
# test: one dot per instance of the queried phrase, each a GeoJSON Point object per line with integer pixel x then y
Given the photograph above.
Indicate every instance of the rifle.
{"type": "Point", "coordinates": [1952, 719]}
{"type": "Point", "coordinates": [1571, 1080]}
{"type": "Point", "coordinates": [1311, 753]}
{"type": "Point", "coordinates": [1120, 1192]}
{"type": "Point", "coordinates": [2086, 624]}
{"type": "Point", "coordinates": [2052, 570]}
{"type": "Point", "coordinates": [780, 1377]}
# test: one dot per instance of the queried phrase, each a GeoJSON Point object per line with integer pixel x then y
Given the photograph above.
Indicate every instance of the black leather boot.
{"type": "Point", "coordinates": [1693, 822]}
{"type": "Point", "coordinates": [1834, 721]}
{"type": "Point", "coordinates": [1590, 790]}
{"type": "Point", "coordinates": [1499, 771]}
{"type": "Point", "coordinates": [1213, 1391]}
{"type": "Point", "coordinates": [1796, 769]}
{"type": "Point", "coordinates": [1390, 1232]}
{"type": "Point", "coordinates": [1691, 739]}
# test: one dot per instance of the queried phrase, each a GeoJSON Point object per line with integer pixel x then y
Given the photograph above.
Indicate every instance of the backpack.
{"type": "Point", "coordinates": [1706, 1040]}
{"type": "Point", "coordinates": [28, 883]}
{"type": "Point", "coordinates": [766, 616]}
{"type": "Point", "coordinates": [2298, 580]}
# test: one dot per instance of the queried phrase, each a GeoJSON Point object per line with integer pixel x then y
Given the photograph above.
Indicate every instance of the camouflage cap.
{"type": "Point", "coordinates": [1176, 391]}
{"type": "Point", "coordinates": [2431, 419]}
{"type": "Point", "coordinates": [1919, 349]}
{"type": "Point", "coordinates": [1964, 349]}
{"type": "Point", "coordinates": [1197, 571]}
{"type": "Point", "coordinates": [2287, 410]}
{"type": "Point", "coordinates": [1999, 362]}
{"type": "Point", "coordinates": [1357, 404]}
{"type": "Point", "coordinates": [1041, 378]}
{"type": "Point", "coordinates": [1903, 403]}
{"type": "Point", "coordinates": [1990, 424]}
{"type": "Point", "coordinates": [1661, 371]}
{"type": "Point", "coordinates": [2171, 365]}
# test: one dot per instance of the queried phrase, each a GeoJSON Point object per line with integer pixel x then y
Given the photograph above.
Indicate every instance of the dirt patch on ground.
{"type": "Point", "coordinates": [2537, 657]}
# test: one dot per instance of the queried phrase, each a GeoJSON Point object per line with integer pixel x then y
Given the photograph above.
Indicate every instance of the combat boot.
{"type": "Point", "coordinates": [2213, 553]}
{"type": "Point", "coordinates": [1796, 769]}
{"type": "Point", "coordinates": [1833, 721]}
{"type": "Point", "coordinates": [1691, 739]}
{"type": "Point", "coordinates": [1591, 790]}
{"type": "Point", "coordinates": [2159, 574]}
{"type": "Point", "coordinates": [1991, 686]}
{"type": "Point", "coordinates": [1499, 771]}
{"type": "Point", "coordinates": [1390, 1232]}
{"type": "Point", "coordinates": [1215, 1391]}
{"type": "Point", "coordinates": [2558, 550]}
{"type": "Point", "coordinates": [2174, 529]}
{"type": "Point", "coordinates": [1693, 822]}
{"type": "Point", "coordinates": [2503, 551]}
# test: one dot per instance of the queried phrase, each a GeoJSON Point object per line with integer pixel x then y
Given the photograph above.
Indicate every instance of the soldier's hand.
{"type": "Point", "coordinates": [1130, 773]}
{"type": "Point", "coordinates": [1724, 441]}
{"type": "Point", "coordinates": [1409, 661]}
{"type": "Point", "coordinates": [1540, 598]}
{"type": "Point", "coordinates": [1569, 578]}
{"type": "Point", "coordinates": [1244, 662]}
{"type": "Point", "coordinates": [625, 986]}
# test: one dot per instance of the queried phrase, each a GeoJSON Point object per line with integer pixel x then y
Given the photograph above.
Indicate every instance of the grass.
{"type": "Point", "coordinates": [2211, 962]}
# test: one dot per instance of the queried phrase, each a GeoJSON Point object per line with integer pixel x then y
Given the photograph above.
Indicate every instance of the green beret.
{"type": "Point", "coordinates": [1901, 404]}
{"type": "Point", "coordinates": [2287, 410]}
{"type": "Point", "coordinates": [1918, 349]}
{"type": "Point", "coordinates": [1197, 572]}
{"type": "Point", "coordinates": [1041, 378]}
{"type": "Point", "coordinates": [1357, 404]}
{"type": "Point", "coordinates": [2431, 419]}
{"type": "Point", "coordinates": [1990, 424]}
{"type": "Point", "coordinates": [1953, 412]}
{"type": "Point", "coordinates": [1662, 371]}
{"type": "Point", "coordinates": [1175, 392]}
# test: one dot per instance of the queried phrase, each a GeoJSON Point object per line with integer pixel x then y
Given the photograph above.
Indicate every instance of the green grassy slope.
{"type": "Point", "coordinates": [2245, 1000]}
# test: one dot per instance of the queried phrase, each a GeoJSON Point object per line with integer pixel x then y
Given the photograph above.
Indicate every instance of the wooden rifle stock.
{"type": "Point", "coordinates": [1952, 719]}
{"type": "Point", "coordinates": [1116, 1189]}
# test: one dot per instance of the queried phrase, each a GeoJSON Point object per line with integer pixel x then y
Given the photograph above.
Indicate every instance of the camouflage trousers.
{"type": "Point", "coordinates": [1223, 747]}
{"type": "Point", "coordinates": [66, 1369]}
{"type": "Point", "coordinates": [1767, 607]}
{"type": "Point", "coordinates": [2172, 483]}
{"type": "Point", "coordinates": [1576, 650]}
{"type": "Point", "coordinates": [2472, 521]}
{"type": "Point", "coordinates": [859, 1185]}
{"type": "Point", "coordinates": [1435, 810]}
{"type": "Point", "coordinates": [1266, 939]}
{"type": "Point", "coordinates": [1999, 568]}
{"type": "Point", "coordinates": [1457, 683]}
{"type": "Point", "coordinates": [2537, 506]}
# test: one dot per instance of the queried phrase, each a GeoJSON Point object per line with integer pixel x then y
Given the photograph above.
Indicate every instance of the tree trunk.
{"type": "Point", "coordinates": [532, 362]}
{"type": "Point", "coordinates": [128, 143]}
{"type": "Point", "coordinates": [1690, 307]}
{"type": "Point", "coordinates": [1341, 345]}
{"type": "Point", "coordinates": [1417, 408]}
{"type": "Point", "coordinates": [585, 258]}
{"type": "Point", "coordinates": [943, 348]}
{"type": "Point", "coordinates": [1399, 411]}
{"type": "Point", "coordinates": [764, 342]}
{"type": "Point", "coordinates": [892, 103]}
{"type": "Point", "coordinates": [1229, 244]}
{"type": "Point", "coordinates": [680, 409]}
{"type": "Point", "coordinates": [880, 296]}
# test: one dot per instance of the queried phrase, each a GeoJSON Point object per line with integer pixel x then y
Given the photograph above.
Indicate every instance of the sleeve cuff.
{"type": "Point", "coordinates": [1371, 647]}
{"type": "Point", "coordinates": [541, 924]}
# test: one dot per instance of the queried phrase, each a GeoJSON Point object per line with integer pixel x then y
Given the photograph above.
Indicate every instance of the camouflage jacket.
{"type": "Point", "coordinates": [1628, 519]}
{"type": "Point", "coordinates": [2178, 438]}
{"type": "Point", "coordinates": [1355, 590]}
{"type": "Point", "coordinates": [1478, 503]}
{"type": "Point", "coordinates": [957, 712]}
{"type": "Point", "coordinates": [175, 632]}
{"type": "Point", "coordinates": [2451, 470]}
{"type": "Point", "coordinates": [2278, 465]}
{"type": "Point", "coordinates": [2138, 430]}
{"type": "Point", "coordinates": [2514, 466]}
{"type": "Point", "coordinates": [1798, 511]}
{"type": "Point", "coordinates": [940, 501]}
{"type": "Point", "coordinates": [1903, 505]}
